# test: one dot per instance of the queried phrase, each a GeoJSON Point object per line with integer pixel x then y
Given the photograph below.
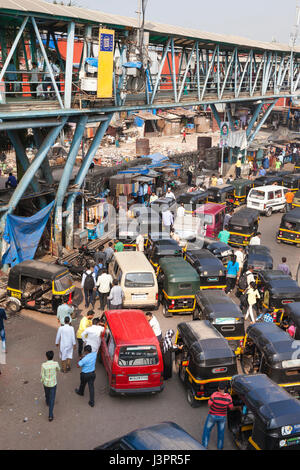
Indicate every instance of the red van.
{"type": "Point", "coordinates": [213, 215]}
{"type": "Point", "coordinates": [130, 353]}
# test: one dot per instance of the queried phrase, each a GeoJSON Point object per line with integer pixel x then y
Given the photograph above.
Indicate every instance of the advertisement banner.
{"type": "Point", "coordinates": [105, 63]}
{"type": "Point", "coordinates": [224, 134]}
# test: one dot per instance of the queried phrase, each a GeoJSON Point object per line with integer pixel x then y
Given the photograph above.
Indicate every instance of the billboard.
{"type": "Point", "coordinates": [105, 63]}
{"type": "Point", "coordinates": [224, 136]}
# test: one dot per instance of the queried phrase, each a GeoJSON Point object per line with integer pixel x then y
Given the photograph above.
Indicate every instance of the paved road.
{"type": "Point", "coordinates": [76, 425]}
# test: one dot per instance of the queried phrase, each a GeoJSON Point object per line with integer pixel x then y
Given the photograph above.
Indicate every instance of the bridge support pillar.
{"type": "Point", "coordinates": [24, 162]}
{"type": "Point", "coordinates": [27, 177]}
{"type": "Point", "coordinates": [63, 186]}
{"type": "Point", "coordinates": [80, 179]}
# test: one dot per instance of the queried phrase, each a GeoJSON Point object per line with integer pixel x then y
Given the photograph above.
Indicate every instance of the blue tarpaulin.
{"type": "Point", "coordinates": [23, 235]}
{"type": "Point", "coordinates": [92, 61]}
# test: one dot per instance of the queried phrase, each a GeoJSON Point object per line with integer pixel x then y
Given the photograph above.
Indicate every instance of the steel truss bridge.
{"type": "Point", "coordinates": [178, 67]}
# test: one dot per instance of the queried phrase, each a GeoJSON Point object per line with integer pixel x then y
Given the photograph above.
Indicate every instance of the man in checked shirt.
{"type": "Point", "coordinates": [48, 379]}
{"type": "Point", "coordinates": [218, 403]}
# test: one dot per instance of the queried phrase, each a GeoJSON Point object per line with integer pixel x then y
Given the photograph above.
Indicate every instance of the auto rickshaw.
{"type": "Point", "coordinates": [277, 290]}
{"type": "Point", "coordinates": [38, 286]}
{"type": "Point", "coordinates": [297, 163]}
{"type": "Point", "coordinates": [292, 182]}
{"type": "Point", "coordinates": [258, 258]}
{"type": "Point", "coordinates": [296, 201]}
{"type": "Point", "coordinates": [162, 248]}
{"type": "Point", "coordinates": [163, 204]}
{"type": "Point", "coordinates": [224, 314]}
{"type": "Point", "coordinates": [241, 191]}
{"type": "Point", "coordinates": [268, 418]}
{"type": "Point", "coordinates": [210, 269]}
{"type": "Point", "coordinates": [192, 200]}
{"type": "Point", "coordinates": [153, 237]}
{"type": "Point", "coordinates": [289, 230]}
{"type": "Point", "coordinates": [291, 316]}
{"type": "Point", "coordinates": [273, 177]}
{"type": "Point", "coordinates": [178, 283]}
{"type": "Point", "coordinates": [270, 350]}
{"type": "Point", "coordinates": [205, 360]}
{"type": "Point", "coordinates": [219, 249]}
{"type": "Point", "coordinates": [243, 226]}
{"type": "Point", "coordinates": [223, 194]}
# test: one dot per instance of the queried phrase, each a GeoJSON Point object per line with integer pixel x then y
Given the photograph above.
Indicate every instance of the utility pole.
{"type": "Point", "coordinates": [295, 33]}
{"type": "Point", "coordinates": [141, 12]}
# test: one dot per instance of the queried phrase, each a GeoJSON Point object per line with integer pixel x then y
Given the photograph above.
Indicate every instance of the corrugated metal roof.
{"type": "Point", "coordinates": [39, 7]}
{"type": "Point", "coordinates": [58, 11]}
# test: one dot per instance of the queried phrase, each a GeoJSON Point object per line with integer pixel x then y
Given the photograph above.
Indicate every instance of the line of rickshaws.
{"type": "Point", "coordinates": [245, 223]}
{"type": "Point", "coordinates": [216, 346]}
{"type": "Point", "coordinates": [212, 205]}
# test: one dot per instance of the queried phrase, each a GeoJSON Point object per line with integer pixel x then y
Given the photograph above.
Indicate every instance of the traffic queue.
{"type": "Point", "coordinates": [217, 283]}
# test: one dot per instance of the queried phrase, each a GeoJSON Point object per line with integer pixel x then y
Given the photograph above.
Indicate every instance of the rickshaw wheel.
{"type": "Point", "coordinates": [196, 314]}
{"type": "Point", "coordinates": [190, 398]}
{"type": "Point", "coordinates": [247, 372]}
{"type": "Point", "coordinates": [166, 313]}
{"type": "Point", "coordinates": [13, 307]}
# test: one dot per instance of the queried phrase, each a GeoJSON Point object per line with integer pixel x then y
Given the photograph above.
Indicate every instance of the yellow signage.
{"type": "Point", "coordinates": [105, 63]}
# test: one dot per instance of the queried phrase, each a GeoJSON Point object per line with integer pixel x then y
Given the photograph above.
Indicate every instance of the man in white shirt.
{"type": "Point", "coordinates": [181, 210]}
{"type": "Point", "coordinates": [250, 276]}
{"type": "Point", "coordinates": [140, 242]}
{"type": "Point", "coordinates": [240, 257]}
{"type": "Point", "coordinates": [103, 284]}
{"type": "Point", "coordinates": [92, 335]}
{"type": "Point", "coordinates": [153, 322]}
{"type": "Point", "coordinates": [65, 339]}
{"type": "Point", "coordinates": [170, 194]}
{"type": "Point", "coordinates": [168, 219]}
{"type": "Point", "coordinates": [153, 198]}
{"type": "Point", "coordinates": [220, 181]}
{"type": "Point", "coordinates": [256, 240]}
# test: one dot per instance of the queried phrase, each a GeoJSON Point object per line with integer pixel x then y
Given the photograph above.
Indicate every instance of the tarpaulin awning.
{"type": "Point", "coordinates": [137, 171]}
{"type": "Point", "coordinates": [23, 234]}
{"type": "Point", "coordinates": [157, 158]}
{"type": "Point", "coordinates": [133, 65]}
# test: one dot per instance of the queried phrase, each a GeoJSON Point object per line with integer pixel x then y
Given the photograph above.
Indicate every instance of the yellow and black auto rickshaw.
{"type": "Point", "coordinates": [277, 291]}
{"type": "Point", "coordinates": [270, 350]}
{"type": "Point", "coordinates": [241, 190]}
{"type": "Point", "coordinates": [289, 230]}
{"type": "Point", "coordinates": [223, 194]}
{"type": "Point", "coordinates": [158, 248]}
{"type": "Point", "coordinates": [296, 201]}
{"type": "Point", "coordinates": [224, 314]}
{"type": "Point", "coordinates": [38, 286]}
{"type": "Point", "coordinates": [265, 417]}
{"type": "Point", "coordinates": [178, 283]}
{"type": "Point", "coordinates": [291, 317]}
{"type": "Point", "coordinates": [243, 226]}
{"type": "Point", "coordinates": [292, 182]}
{"type": "Point", "coordinates": [205, 360]}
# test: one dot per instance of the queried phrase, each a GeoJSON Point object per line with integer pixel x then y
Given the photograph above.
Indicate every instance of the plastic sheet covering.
{"type": "Point", "coordinates": [23, 235]}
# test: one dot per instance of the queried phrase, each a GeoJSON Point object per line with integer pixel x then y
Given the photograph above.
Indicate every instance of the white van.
{"type": "Point", "coordinates": [267, 199]}
{"type": "Point", "coordinates": [137, 278]}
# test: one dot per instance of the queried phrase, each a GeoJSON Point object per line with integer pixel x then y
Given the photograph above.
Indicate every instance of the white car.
{"type": "Point", "coordinates": [267, 199]}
